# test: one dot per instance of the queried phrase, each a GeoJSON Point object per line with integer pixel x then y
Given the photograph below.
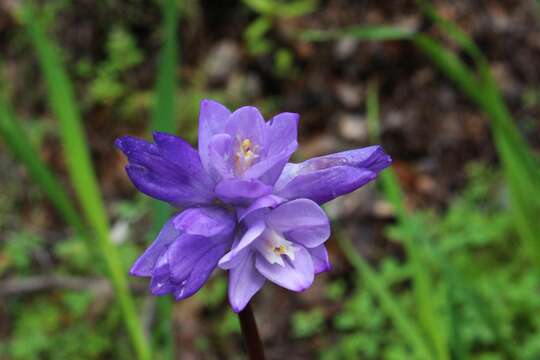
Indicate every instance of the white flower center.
{"type": "Point", "coordinates": [245, 156]}
{"type": "Point", "coordinates": [273, 247]}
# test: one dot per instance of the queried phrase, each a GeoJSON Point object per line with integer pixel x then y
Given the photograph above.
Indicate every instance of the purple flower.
{"type": "Point", "coordinates": [284, 244]}
{"type": "Point", "coordinates": [239, 159]}
{"type": "Point", "coordinates": [324, 178]}
{"type": "Point", "coordinates": [243, 205]}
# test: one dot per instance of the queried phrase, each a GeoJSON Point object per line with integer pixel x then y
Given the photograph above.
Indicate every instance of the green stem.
{"type": "Point", "coordinates": [164, 119]}
{"type": "Point", "coordinates": [83, 178]}
{"type": "Point", "coordinates": [406, 326]}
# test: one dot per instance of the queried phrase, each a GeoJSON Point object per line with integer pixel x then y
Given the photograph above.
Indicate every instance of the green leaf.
{"type": "Point", "coordinates": [18, 143]}
{"type": "Point", "coordinates": [62, 102]}
{"type": "Point", "coordinates": [254, 36]}
{"type": "Point", "coordinates": [521, 167]}
{"type": "Point", "coordinates": [164, 119]}
{"type": "Point", "coordinates": [368, 32]}
{"type": "Point", "coordinates": [284, 9]}
{"type": "Point", "coordinates": [406, 326]}
{"type": "Point", "coordinates": [519, 164]}
{"type": "Point", "coordinates": [423, 282]}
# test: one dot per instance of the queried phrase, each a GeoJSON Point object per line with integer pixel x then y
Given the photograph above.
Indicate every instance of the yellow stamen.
{"type": "Point", "coordinates": [280, 250]}
{"type": "Point", "coordinates": [246, 149]}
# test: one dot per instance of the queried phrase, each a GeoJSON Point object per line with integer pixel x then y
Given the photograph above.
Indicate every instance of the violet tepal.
{"type": "Point", "coordinates": [241, 204]}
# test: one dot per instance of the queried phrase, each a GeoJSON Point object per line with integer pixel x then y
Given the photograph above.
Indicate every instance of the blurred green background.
{"type": "Point", "coordinates": [439, 259]}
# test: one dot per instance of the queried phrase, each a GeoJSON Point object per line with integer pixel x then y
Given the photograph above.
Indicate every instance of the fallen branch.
{"type": "Point", "coordinates": [24, 285]}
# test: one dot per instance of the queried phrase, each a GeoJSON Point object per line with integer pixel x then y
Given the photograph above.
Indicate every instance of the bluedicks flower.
{"type": "Point", "coordinates": [239, 159]}
{"type": "Point", "coordinates": [241, 203]}
{"type": "Point", "coordinates": [284, 243]}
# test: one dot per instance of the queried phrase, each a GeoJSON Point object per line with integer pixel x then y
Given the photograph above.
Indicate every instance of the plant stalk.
{"type": "Point", "coordinates": [251, 334]}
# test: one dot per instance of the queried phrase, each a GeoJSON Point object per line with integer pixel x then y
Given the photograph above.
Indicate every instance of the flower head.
{"type": "Point", "coordinates": [283, 242]}
{"type": "Point", "coordinates": [241, 203]}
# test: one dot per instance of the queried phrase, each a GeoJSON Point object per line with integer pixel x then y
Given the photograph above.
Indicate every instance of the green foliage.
{"type": "Point", "coordinates": [462, 289]}
{"type": "Point", "coordinates": [257, 34]}
{"type": "Point", "coordinates": [489, 302]}
{"type": "Point", "coordinates": [519, 164]}
{"type": "Point", "coordinates": [308, 323]}
{"type": "Point", "coordinates": [413, 240]}
{"type": "Point", "coordinates": [283, 63]}
{"type": "Point", "coordinates": [18, 249]}
{"type": "Point", "coordinates": [254, 36]}
{"type": "Point", "coordinates": [390, 306]}
{"type": "Point", "coordinates": [229, 324]}
{"type": "Point", "coordinates": [281, 8]}
{"type": "Point", "coordinates": [107, 85]}
{"type": "Point", "coordinates": [20, 145]}
{"type": "Point", "coordinates": [59, 330]}
{"type": "Point", "coordinates": [371, 33]}
{"type": "Point", "coordinates": [164, 119]}
{"type": "Point", "coordinates": [365, 329]}
{"type": "Point", "coordinates": [214, 293]}
{"type": "Point", "coordinates": [62, 102]}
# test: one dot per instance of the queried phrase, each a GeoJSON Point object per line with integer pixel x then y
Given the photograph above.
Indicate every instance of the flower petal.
{"type": "Point", "coordinates": [201, 272]}
{"type": "Point", "coordinates": [372, 157]}
{"type": "Point", "coordinates": [145, 264]}
{"type": "Point", "coordinates": [191, 261]}
{"type": "Point", "coordinates": [161, 283]}
{"type": "Point", "coordinates": [324, 178]}
{"type": "Point", "coordinates": [169, 170]}
{"type": "Point", "coordinates": [184, 253]}
{"type": "Point", "coordinates": [296, 275]}
{"type": "Point", "coordinates": [241, 192]}
{"type": "Point", "coordinates": [232, 258]}
{"type": "Point", "coordinates": [212, 119]}
{"type": "Point", "coordinates": [321, 262]}
{"type": "Point", "coordinates": [301, 221]}
{"type": "Point", "coordinates": [283, 133]}
{"type": "Point", "coordinates": [269, 168]}
{"type": "Point", "coordinates": [183, 155]}
{"type": "Point", "coordinates": [282, 130]}
{"type": "Point", "coordinates": [268, 201]}
{"type": "Point", "coordinates": [205, 221]}
{"type": "Point", "coordinates": [221, 159]}
{"type": "Point", "coordinates": [247, 123]}
{"type": "Point", "coordinates": [244, 282]}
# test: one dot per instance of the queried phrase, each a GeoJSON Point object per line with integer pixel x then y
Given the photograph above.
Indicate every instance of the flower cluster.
{"type": "Point", "coordinates": [244, 207]}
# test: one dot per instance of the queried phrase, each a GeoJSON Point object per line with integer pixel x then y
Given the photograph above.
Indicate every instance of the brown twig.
{"type": "Point", "coordinates": [23, 285]}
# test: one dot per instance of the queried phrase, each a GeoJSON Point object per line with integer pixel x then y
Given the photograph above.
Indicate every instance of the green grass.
{"type": "Point", "coordinates": [520, 166]}
{"type": "Point", "coordinates": [77, 154]}
{"type": "Point", "coordinates": [373, 283]}
{"type": "Point", "coordinates": [18, 143]}
{"type": "Point", "coordinates": [428, 315]}
{"type": "Point", "coordinates": [368, 33]}
{"type": "Point", "coordinates": [164, 119]}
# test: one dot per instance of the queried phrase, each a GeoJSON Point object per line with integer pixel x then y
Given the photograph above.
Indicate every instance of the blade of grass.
{"type": "Point", "coordinates": [450, 65]}
{"type": "Point", "coordinates": [372, 33]}
{"type": "Point", "coordinates": [18, 143]}
{"type": "Point", "coordinates": [374, 284]}
{"type": "Point", "coordinates": [62, 102]}
{"type": "Point", "coordinates": [163, 112]}
{"type": "Point", "coordinates": [431, 321]}
{"type": "Point", "coordinates": [163, 119]}
{"type": "Point", "coordinates": [453, 278]}
{"type": "Point", "coordinates": [452, 30]}
{"type": "Point", "coordinates": [282, 8]}
{"type": "Point", "coordinates": [520, 167]}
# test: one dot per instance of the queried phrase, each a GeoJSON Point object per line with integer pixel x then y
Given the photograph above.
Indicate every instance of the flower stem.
{"type": "Point", "coordinates": [251, 334]}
